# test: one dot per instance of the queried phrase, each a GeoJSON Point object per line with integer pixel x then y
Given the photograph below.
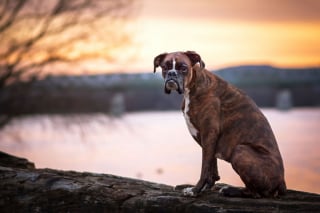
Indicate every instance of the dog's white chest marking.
{"type": "Point", "coordinates": [191, 128]}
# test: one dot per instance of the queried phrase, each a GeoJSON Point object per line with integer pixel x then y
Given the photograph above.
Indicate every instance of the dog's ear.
{"type": "Point", "coordinates": [157, 61]}
{"type": "Point", "coordinates": [195, 58]}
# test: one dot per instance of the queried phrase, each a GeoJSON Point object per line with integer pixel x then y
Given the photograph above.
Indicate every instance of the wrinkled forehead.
{"type": "Point", "coordinates": [177, 57]}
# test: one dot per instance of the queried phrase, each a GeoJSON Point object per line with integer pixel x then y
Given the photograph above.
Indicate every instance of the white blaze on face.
{"type": "Point", "coordinates": [191, 128]}
{"type": "Point", "coordinates": [174, 66]}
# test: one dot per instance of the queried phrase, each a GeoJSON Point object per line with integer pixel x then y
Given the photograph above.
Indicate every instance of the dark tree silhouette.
{"type": "Point", "coordinates": [37, 34]}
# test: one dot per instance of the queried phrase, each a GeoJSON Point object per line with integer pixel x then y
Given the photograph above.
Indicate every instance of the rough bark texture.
{"type": "Point", "coordinates": [7, 160]}
{"type": "Point", "coordinates": [26, 189]}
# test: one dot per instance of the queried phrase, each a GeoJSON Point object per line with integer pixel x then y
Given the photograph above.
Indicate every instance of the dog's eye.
{"type": "Point", "coordinates": [184, 68]}
{"type": "Point", "coordinates": [164, 67]}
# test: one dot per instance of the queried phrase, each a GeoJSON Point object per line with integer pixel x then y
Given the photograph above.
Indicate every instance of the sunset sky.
{"type": "Point", "coordinates": [282, 33]}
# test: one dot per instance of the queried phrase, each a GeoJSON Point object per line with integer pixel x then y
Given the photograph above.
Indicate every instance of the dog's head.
{"type": "Point", "coordinates": [177, 69]}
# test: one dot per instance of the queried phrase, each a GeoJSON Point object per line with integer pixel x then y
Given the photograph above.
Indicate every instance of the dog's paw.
{"type": "Point", "coordinates": [182, 186]}
{"type": "Point", "coordinates": [224, 190]}
{"type": "Point", "coordinates": [188, 192]}
{"type": "Point", "coordinates": [231, 191]}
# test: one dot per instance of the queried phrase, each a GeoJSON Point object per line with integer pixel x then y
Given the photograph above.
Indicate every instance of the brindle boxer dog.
{"type": "Point", "coordinates": [227, 124]}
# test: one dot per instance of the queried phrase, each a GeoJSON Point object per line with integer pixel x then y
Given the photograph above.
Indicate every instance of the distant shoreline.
{"type": "Point", "coordinates": [268, 86]}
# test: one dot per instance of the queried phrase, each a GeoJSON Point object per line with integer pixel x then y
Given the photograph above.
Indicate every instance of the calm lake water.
{"type": "Point", "coordinates": [155, 146]}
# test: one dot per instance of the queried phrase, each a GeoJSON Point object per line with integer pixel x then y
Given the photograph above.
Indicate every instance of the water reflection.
{"type": "Point", "coordinates": [155, 146]}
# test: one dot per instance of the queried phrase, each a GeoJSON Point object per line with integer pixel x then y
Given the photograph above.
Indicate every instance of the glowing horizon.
{"type": "Point", "coordinates": [281, 34]}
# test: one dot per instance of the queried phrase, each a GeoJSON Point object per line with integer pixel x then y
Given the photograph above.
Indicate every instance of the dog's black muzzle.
{"type": "Point", "coordinates": [173, 82]}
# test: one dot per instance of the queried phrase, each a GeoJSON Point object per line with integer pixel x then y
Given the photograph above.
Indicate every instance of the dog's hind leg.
{"type": "Point", "coordinates": [260, 174]}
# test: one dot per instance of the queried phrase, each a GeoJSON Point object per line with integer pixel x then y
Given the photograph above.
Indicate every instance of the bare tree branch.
{"type": "Point", "coordinates": [3, 6]}
{"type": "Point", "coordinates": [35, 34]}
{"type": "Point", "coordinates": [12, 14]}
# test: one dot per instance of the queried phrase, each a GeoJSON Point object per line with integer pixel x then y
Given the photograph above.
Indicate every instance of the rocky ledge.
{"type": "Point", "coordinates": [23, 188]}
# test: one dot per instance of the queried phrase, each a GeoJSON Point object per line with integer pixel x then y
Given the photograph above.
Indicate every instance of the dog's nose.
{"type": "Point", "coordinates": [172, 73]}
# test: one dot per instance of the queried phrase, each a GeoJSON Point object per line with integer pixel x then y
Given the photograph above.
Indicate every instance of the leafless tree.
{"type": "Point", "coordinates": [37, 34]}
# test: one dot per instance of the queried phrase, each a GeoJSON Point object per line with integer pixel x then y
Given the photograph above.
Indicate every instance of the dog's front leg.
{"type": "Point", "coordinates": [215, 175]}
{"type": "Point", "coordinates": [209, 170]}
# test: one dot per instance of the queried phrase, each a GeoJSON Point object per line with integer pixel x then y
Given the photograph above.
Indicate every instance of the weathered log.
{"type": "Point", "coordinates": [15, 162]}
{"type": "Point", "coordinates": [47, 190]}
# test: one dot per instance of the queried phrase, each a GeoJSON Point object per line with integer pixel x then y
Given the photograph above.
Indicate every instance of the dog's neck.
{"type": "Point", "coordinates": [198, 80]}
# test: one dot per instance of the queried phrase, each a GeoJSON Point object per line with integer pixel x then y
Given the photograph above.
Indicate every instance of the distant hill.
{"type": "Point", "coordinates": [270, 76]}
